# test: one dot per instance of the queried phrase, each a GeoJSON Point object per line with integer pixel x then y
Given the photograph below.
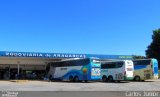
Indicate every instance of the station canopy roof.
{"type": "Point", "coordinates": [61, 55]}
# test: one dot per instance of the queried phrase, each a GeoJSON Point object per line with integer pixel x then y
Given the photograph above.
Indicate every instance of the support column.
{"type": "Point", "coordinates": [18, 69]}
{"type": "Point", "coordinates": [9, 72]}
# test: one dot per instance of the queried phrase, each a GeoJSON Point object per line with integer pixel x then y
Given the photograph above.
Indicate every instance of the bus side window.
{"type": "Point", "coordinates": [105, 66]}
{"type": "Point", "coordinates": [119, 64]}
{"type": "Point", "coordinates": [113, 65]}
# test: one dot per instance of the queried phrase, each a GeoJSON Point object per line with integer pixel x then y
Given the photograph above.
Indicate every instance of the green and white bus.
{"type": "Point", "coordinates": [117, 70]}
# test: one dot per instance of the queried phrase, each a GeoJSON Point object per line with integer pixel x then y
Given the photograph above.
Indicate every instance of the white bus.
{"type": "Point", "coordinates": [75, 70]}
{"type": "Point", "coordinates": [117, 70]}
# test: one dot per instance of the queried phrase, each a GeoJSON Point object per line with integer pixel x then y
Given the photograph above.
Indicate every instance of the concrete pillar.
{"type": "Point", "coordinates": [18, 68]}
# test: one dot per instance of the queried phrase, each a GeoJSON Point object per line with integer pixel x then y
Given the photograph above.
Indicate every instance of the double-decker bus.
{"type": "Point", "coordinates": [117, 70]}
{"type": "Point", "coordinates": [75, 70]}
{"type": "Point", "coordinates": [145, 69]}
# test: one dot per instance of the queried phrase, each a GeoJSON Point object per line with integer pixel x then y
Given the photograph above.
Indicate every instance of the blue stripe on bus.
{"type": "Point", "coordinates": [139, 67]}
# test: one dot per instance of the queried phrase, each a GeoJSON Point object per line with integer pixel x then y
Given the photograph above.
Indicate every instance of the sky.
{"type": "Point", "coordinates": [114, 27]}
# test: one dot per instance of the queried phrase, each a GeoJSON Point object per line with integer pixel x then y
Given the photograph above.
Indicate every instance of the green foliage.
{"type": "Point", "coordinates": [153, 50]}
{"type": "Point", "coordinates": [138, 57]}
{"type": "Point", "coordinates": [159, 74]}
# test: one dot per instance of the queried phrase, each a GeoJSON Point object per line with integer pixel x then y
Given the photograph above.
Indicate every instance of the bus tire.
{"type": "Point", "coordinates": [110, 79]}
{"type": "Point", "coordinates": [104, 78]}
{"type": "Point", "coordinates": [118, 81]}
{"type": "Point", "coordinates": [85, 81]}
{"type": "Point", "coordinates": [143, 80]}
{"type": "Point", "coordinates": [76, 79]}
{"type": "Point", "coordinates": [71, 78]}
{"type": "Point", "coordinates": [137, 78]}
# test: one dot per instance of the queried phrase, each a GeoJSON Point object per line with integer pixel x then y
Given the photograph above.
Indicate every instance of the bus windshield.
{"type": "Point", "coordinates": [96, 63]}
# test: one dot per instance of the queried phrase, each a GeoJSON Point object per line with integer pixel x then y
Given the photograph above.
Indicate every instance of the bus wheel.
{"type": "Point", "coordinates": [104, 78]}
{"type": "Point", "coordinates": [143, 80]}
{"type": "Point", "coordinates": [118, 81]}
{"type": "Point", "coordinates": [110, 79]}
{"type": "Point", "coordinates": [137, 78]}
{"type": "Point", "coordinates": [71, 78]}
{"type": "Point", "coordinates": [76, 79]}
{"type": "Point", "coordinates": [85, 81]}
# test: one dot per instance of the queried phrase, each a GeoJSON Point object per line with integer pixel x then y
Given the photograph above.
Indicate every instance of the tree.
{"type": "Point", "coordinates": [138, 57]}
{"type": "Point", "coordinates": [153, 50]}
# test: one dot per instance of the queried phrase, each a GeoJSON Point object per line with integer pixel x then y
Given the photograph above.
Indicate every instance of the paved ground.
{"type": "Point", "coordinates": [65, 94]}
{"type": "Point", "coordinates": [153, 85]}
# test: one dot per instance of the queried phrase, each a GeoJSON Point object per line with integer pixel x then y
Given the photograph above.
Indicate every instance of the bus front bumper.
{"type": "Point", "coordinates": [128, 78]}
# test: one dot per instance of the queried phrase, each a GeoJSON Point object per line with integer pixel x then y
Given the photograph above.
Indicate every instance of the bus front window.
{"type": "Point", "coordinates": [95, 69]}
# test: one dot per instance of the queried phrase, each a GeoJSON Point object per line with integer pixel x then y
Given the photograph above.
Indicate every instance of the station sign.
{"type": "Point", "coordinates": [45, 55]}
{"type": "Point", "coordinates": [61, 55]}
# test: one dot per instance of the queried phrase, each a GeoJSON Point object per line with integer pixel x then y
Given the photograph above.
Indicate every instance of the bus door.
{"type": "Point", "coordinates": [85, 72]}
{"type": "Point", "coordinates": [118, 70]}
{"type": "Point", "coordinates": [147, 74]}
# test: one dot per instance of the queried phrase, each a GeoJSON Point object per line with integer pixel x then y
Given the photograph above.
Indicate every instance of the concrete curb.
{"type": "Point", "coordinates": [18, 81]}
